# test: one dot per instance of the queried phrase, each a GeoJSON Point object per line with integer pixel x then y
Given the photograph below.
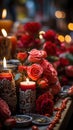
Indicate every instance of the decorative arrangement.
{"type": "Point", "coordinates": [46, 62]}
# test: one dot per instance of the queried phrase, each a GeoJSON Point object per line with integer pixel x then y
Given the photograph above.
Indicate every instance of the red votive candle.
{"type": "Point", "coordinates": [27, 96]}
{"type": "Point", "coordinates": [7, 76]}
{"type": "Point", "coordinates": [27, 85]}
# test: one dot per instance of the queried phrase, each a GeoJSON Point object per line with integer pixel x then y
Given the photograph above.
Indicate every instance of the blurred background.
{"type": "Point", "coordinates": [54, 14]}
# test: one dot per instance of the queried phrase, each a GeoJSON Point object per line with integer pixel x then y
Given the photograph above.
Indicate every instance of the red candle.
{"type": "Point", "coordinates": [7, 76]}
{"type": "Point", "coordinates": [27, 85]}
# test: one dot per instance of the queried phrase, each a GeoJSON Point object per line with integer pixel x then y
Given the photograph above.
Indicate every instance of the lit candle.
{"type": "Point", "coordinates": [27, 85]}
{"type": "Point", "coordinates": [5, 46]}
{"type": "Point", "coordinates": [27, 96]}
{"type": "Point", "coordinates": [5, 23]}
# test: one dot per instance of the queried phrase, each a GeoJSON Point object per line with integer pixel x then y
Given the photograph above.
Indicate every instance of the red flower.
{"type": "Point", "coordinates": [55, 88]}
{"type": "Point", "coordinates": [50, 35]}
{"type": "Point", "coordinates": [22, 56]}
{"type": "Point", "coordinates": [50, 48]}
{"type": "Point", "coordinates": [36, 55]}
{"type": "Point", "coordinates": [64, 80]}
{"type": "Point", "coordinates": [44, 104]}
{"type": "Point", "coordinates": [27, 41]}
{"type": "Point", "coordinates": [34, 71]}
{"type": "Point", "coordinates": [22, 68]}
{"type": "Point", "coordinates": [49, 71]}
{"type": "Point", "coordinates": [69, 71]}
{"type": "Point", "coordinates": [43, 83]}
{"type": "Point", "coordinates": [70, 49]}
{"type": "Point", "coordinates": [32, 28]}
{"type": "Point", "coordinates": [64, 62]}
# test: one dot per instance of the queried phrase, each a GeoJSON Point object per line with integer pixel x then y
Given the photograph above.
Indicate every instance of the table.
{"type": "Point", "coordinates": [63, 122]}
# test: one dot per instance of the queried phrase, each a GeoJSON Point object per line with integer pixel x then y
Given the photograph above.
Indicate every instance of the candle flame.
{"type": "Point", "coordinates": [27, 80]}
{"type": "Point", "coordinates": [4, 13]}
{"type": "Point", "coordinates": [4, 63]}
{"type": "Point", "coordinates": [4, 32]}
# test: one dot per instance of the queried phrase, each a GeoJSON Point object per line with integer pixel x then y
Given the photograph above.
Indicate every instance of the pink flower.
{"type": "Point", "coordinates": [32, 28]}
{"type": "Point", "coordinates": [36, 55]}
{"type": "Point", "coordinates": [49, 71]}
{"type": "Point", "coordinates": [34, 71]}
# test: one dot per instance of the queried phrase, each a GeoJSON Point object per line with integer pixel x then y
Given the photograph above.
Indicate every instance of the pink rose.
{"type": "Point", "coordinates": [36, 55]}
{"type": "Point", "coordinates": [49, 71]}
{"type": "Point", "coordinates": [34, 71]}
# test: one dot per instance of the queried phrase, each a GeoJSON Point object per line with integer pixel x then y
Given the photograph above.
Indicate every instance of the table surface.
{"type": "Point", "coordinates": [63, 122]}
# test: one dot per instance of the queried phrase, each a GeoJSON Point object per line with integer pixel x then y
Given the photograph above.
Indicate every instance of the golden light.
{"type": "Point", "coordinates": [61, 38]}
{"type": "Point", "coordinates": [60, 14]}
{"type": "Point", "coordinates": [68, 38]}
{"type": "Point", "coordinates": [4, 63]}
{"type": "Point", "coordinates": [4, 32]}
{"type": "Point", "coordinates": [70, 26]}
{"type": "Point", "coordinates": [40, 34]}
{"type": "Point", "coordinates": [4, 13]}
{"type": "Point", "coordinates": [27, 80]}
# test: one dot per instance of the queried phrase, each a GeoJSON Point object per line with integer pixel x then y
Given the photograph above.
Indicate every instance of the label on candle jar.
{"type": "Point", "coordinates": [27, 100]}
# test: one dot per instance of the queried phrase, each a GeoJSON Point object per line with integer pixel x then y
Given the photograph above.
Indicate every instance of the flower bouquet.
{"type": "Point", "coordinates": [37, 68]}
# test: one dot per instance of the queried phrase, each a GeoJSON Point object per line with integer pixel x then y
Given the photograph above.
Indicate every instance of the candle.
{"type": "Point", "coordinates": [27, 85]}
{"type": "Point", "coordinates": [5, 46]}
{"type": "Point", "coordinates": [5, 75]}
{"type": "Point", "coordinates": [27, 96]}
{"type": "Point", "coordinates": [5, 23]}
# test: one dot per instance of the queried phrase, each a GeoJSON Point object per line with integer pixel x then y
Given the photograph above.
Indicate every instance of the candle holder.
{"type": "Point", "coordinates": [6, 24]}
{"type": "Point", "coordinates": [8, 90]}
{"type": "Point", "coordinates": [27, 97]}
{"type": "Point", "coordinates": [5, 48]}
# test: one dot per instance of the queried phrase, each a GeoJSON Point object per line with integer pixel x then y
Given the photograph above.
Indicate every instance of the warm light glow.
{"type": "Point", "coordinates": [68, 38]}
{"type": "Point", "coordinates": [70, 26]}
{"type": "Point", "coordinates": [27, 80]}
{"type": "Point", "coordinates": [4, 13]}
{"type": "Point", "coordinates": [4, 32]}
{"type": "Point", "coordinates": [61, 38]}
{"type": "Point", "coordinates": [60, 14]}
{"type": "Point", "coordinates": [40, 34]}
{"type": "Point", "coordinates": [4, 63]}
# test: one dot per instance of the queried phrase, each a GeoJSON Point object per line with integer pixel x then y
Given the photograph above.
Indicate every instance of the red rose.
{"type": "Point", "coordinates": [43, 107]}
{"type": "Point", "coordinates": [50, 48]}
{"type": "Point", "coordinates": [22, 56]}
{"type": "Point", "coordinates": [69, 70]}
{"type": "Point", "coordinates": [34, 71]}
{"type": "Point", "coordinates": [43, 83]}
{"type": "Point", "coordinates": [32, 28]}
{"type": "Point", "coordinates": [64, 62]}
{"type": "Point", "coordinates": [27, 41]}
{"type": "Point", "coordinates": [22, 68]}
{"type": "Point", "coordinates": [70, 49]}
{"type": "Point", "coordinates": [36, 55]}
{"type": "Point", "coordinates": [49, 72]}
{"type": "Point", "coordinates": [64, 80]}
{"type": "Point", "coordinates": [55, 89]}
{"type": "Point", "coordinates": [47, 106]}
{"type": "Point", "coordinates": [50, 35]}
